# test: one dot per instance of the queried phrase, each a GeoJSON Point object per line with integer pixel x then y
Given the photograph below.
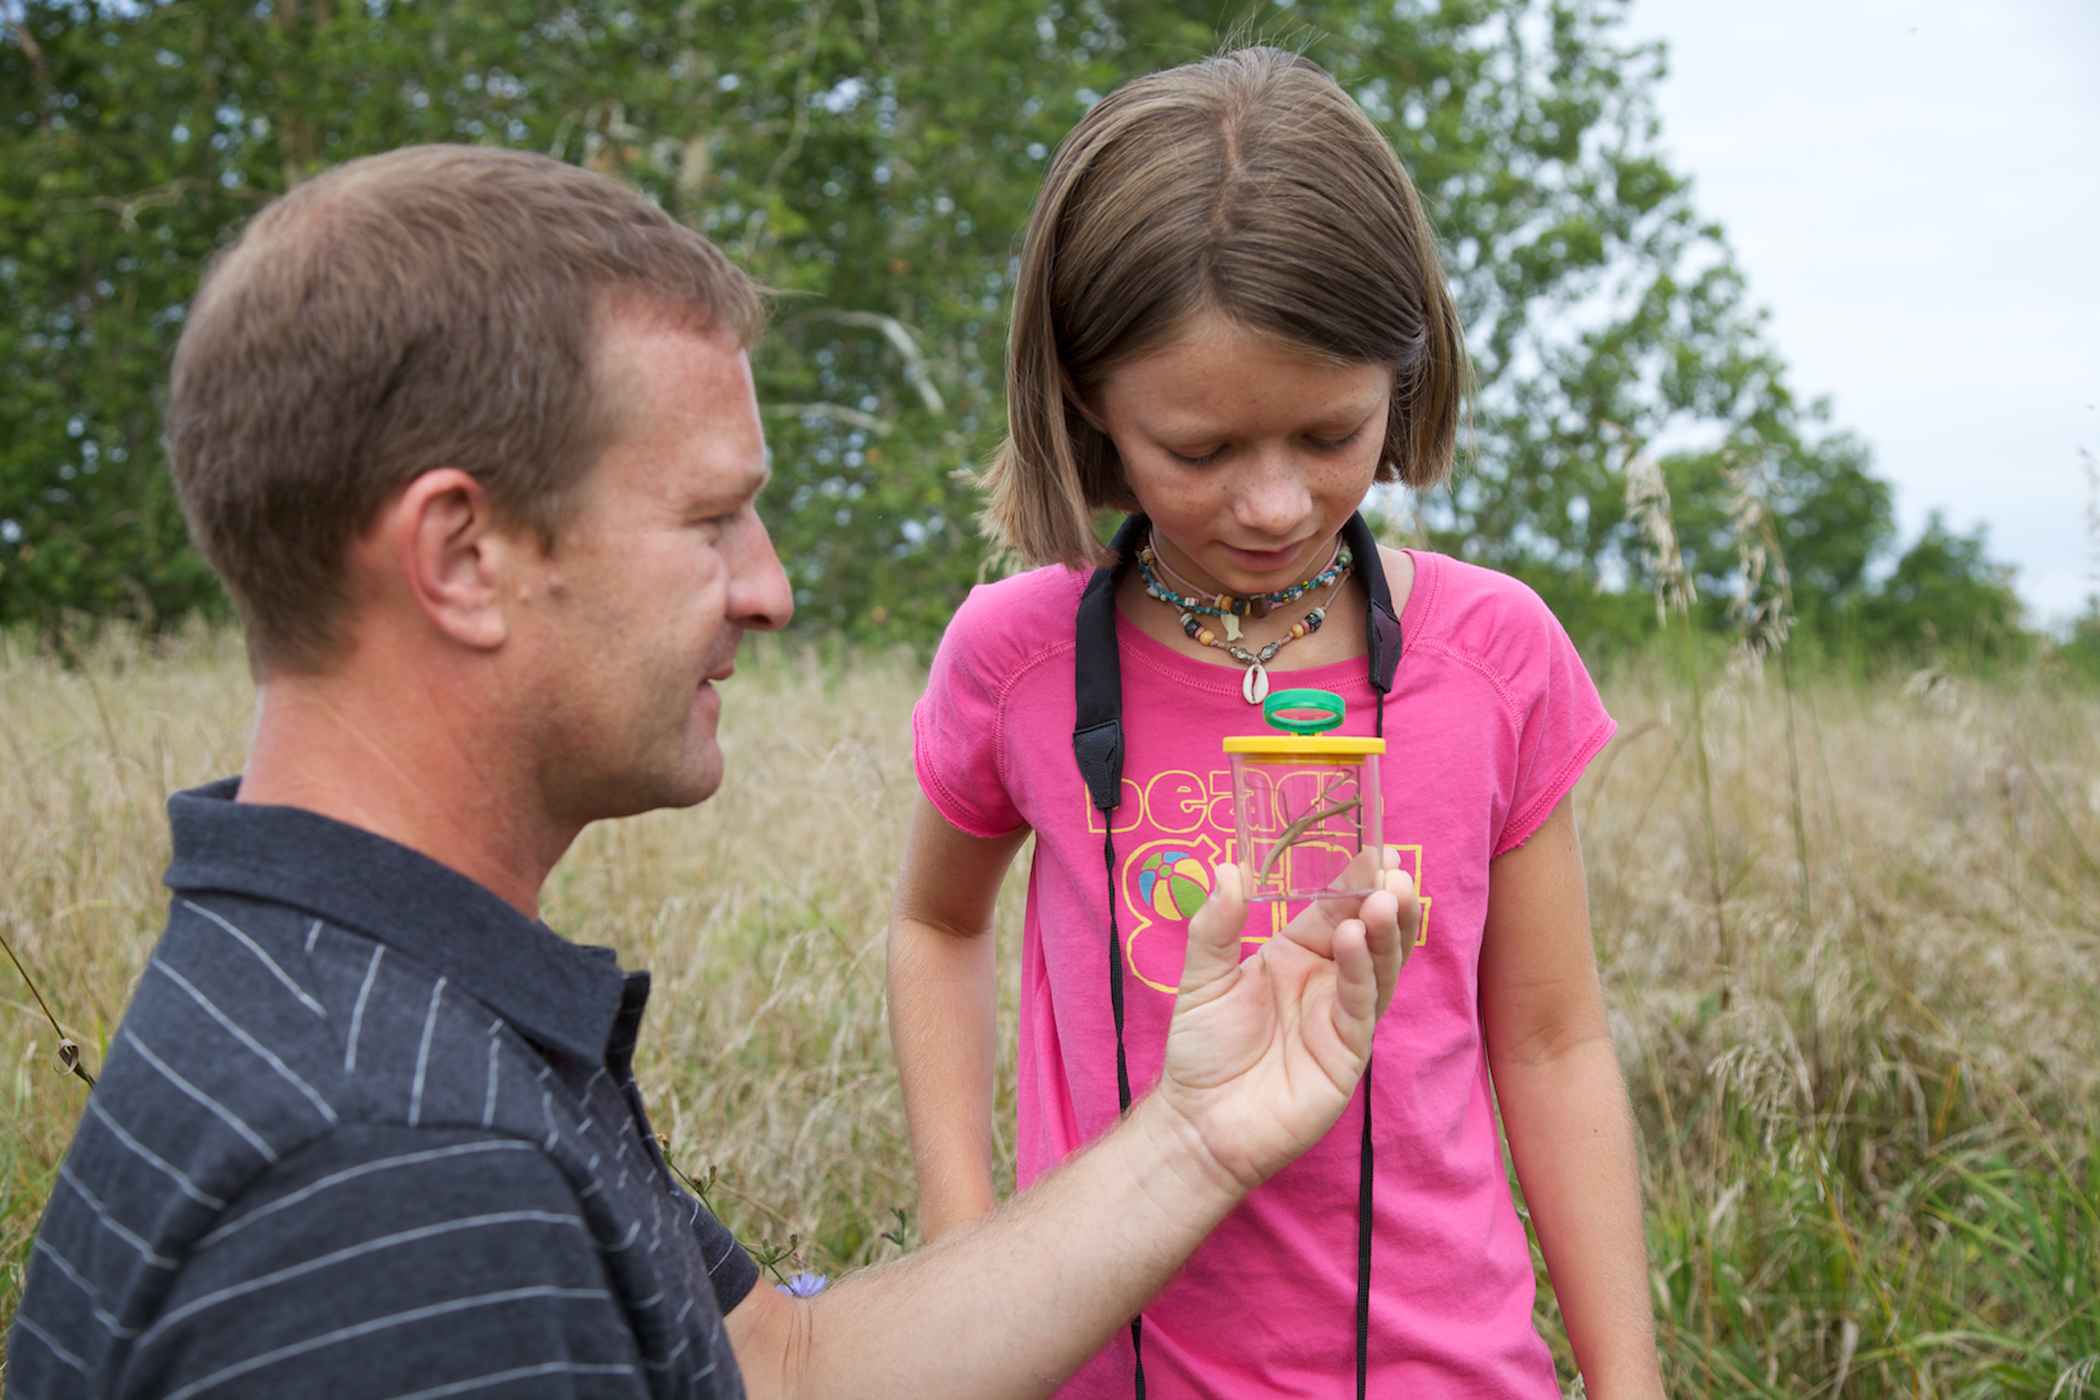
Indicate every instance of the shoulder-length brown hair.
{"type": "Point", "coordinates": [1249, 184]}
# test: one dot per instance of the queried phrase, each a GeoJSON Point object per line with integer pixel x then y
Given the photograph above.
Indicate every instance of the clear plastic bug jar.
{"type": "Point", "coordinates": [1308, 805]}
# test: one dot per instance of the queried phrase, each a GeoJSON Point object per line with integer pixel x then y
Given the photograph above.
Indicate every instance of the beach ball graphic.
{"type": "Point", "coordinates": [1174, 883]}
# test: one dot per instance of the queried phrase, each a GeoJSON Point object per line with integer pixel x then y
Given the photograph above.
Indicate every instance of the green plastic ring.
{"type": "Point", "coordinates": [1326, 702]}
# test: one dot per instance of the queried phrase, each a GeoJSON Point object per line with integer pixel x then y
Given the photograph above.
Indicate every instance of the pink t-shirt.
{"type": "Point", "coordinates": [1491, 721]}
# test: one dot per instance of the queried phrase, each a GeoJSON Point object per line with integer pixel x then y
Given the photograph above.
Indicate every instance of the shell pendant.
{"type": "Point", "coordinates": [1254, 686]}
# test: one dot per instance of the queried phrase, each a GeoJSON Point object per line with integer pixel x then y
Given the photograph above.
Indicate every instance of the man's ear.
{"type": "Point", "coordinates": [443, 550]}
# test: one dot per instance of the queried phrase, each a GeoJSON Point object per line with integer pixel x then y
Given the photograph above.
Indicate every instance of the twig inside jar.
{"type": "Point", "coordinates": [1288, 837]}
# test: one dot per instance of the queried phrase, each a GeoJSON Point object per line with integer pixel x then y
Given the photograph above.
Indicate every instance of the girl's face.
{"type": "Point", "coordinates": [1248, 453]}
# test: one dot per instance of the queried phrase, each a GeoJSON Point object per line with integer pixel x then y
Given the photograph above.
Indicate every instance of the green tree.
{"type": "Point", "coordinates": [1945, 599]}
{"type": "Point", "coordinates": [2080, 649]}
{"type": "Point", "coordinates": [1833, 517]}
{"type": "Point", "coordinates": [875, 161]}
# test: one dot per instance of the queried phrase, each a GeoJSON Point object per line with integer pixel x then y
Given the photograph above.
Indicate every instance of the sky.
{"type": "Point", "coordinates": [1913, 190]}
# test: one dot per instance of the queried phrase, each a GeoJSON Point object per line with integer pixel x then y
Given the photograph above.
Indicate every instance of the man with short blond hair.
{"type": "Point", "coordinates": [471, 437]}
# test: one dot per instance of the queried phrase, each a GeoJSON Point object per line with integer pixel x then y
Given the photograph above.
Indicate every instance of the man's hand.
{"type": "Point", "coordinates": [1263, 1054]}
{"type": "Point", "coordinates": [1261, 1058]}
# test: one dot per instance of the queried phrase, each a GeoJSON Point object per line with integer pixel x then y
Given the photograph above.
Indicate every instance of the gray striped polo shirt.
{"type": "Point", "coordinates": [365, 1130]}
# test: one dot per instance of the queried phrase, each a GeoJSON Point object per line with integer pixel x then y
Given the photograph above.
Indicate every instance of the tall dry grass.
{"type": "Point", "coordinates": [1868, 1114]}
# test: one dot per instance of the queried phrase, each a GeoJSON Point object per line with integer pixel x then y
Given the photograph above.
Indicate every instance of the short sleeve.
{"type": "Point", "coordinates": [379, 1262]}
{"type": "Point", "coordinates": [957, 727]}
{"type": "Point", "coordinates": [731, 1271]}
{"type": "Point", "coordinates": [1561, 720]}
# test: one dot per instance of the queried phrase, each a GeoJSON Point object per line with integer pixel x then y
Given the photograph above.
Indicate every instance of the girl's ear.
{"type": "Point", "coordinates": [1094, 452]}
{"type": "Point", "coordinates": [1083, 407]}
{"type": "Point", "coordinates": [1080, 403]}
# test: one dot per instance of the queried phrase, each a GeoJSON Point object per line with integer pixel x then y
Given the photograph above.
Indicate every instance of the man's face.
{"type": "Point", "coordinates": [660, 566]}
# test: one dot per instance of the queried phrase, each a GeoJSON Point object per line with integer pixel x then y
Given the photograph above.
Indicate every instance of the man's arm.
{"type": "Point", "coordinates": [1261, 1058]}
{"type": "Point", "coordinates": [381, 1261]}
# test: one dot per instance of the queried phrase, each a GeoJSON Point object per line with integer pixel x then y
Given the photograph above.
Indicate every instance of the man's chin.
{"type": "Point", "coordinates": [690, 788]}
{"type": "Point", "coordinates": [660, 790]}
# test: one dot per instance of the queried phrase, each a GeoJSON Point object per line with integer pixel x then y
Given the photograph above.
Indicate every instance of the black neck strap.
{"type": "Point", "coordinates": [1097, 744]}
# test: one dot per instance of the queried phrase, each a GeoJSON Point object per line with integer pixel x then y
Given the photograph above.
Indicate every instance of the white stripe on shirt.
{"type": "Point", "coordinates": [27, 1324]}
{"type": "Point", "coordinates": [355, 1251]}
{"type": "Point", "coordinates": [111, 1223]}
{"type": "Point", "coordinates": [415, 1093]}
{"type": "Point", "coordinates": [269, 1056]}
{"type": "Point", "coordinates": [226, 1115]}
{"type": "Point", "coordinates": [488, 1100]}
{"type": "Point", "coordinates": [518, 1373]}
{"type": "Point", "coordinates": [357, 1013]}
{"type": "Point", "coordinates": [183, 1183]}
{"type": "Point", "coordinates": [380, 1324]}
{"type": "Point", "coordinates": [271, 963]}
{"type": "Point", "coordinates": [406, 1159]}
{"type": "Point", "coordinates": [103, 1315]}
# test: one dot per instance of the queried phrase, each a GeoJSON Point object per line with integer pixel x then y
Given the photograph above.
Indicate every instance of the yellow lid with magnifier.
{"type": "Point", "coordinates": [1303, 717]}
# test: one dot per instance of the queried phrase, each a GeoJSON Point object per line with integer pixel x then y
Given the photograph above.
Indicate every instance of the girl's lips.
{"type": "Point", "coordinates": [1263, 560]}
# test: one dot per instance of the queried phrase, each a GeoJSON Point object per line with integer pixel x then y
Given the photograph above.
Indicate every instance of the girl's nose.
{"type": "Point", "coordinates": [1273, 499]}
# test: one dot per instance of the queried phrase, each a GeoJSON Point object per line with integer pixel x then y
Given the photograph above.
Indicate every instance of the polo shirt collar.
{"type": "Point", "coordinates": [561, 994]}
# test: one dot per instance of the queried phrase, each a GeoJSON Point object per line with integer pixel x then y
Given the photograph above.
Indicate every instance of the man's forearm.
{"type": "Point", "coordinates": [1571, 1133]}
{"type": "Point", "coordinates": [1262, 1056]}
{"type": "Point", "coordinates": [1086, 1246]}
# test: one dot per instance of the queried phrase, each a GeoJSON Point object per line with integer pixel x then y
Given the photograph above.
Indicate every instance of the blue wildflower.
{"type": "Point", "coordinates": [804, 1285]}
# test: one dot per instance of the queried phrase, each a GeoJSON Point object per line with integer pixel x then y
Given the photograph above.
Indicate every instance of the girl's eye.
{"type": "Point", "coordinates": [1319, 444]}
{"type": "Point", "coordinates": [1192, 460]}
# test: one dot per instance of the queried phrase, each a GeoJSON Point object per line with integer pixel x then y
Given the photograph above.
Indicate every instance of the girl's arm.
{"type": "Point", "coordinates": [944, 1000]}
{"type": "Point", "coordinates": [1564, 1105]}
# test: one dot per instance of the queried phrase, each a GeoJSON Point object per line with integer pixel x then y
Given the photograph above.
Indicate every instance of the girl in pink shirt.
{"type": "Point", "coordinates": [1230, 322]}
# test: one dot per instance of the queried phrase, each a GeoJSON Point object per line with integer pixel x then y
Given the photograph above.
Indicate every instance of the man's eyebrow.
{"type": "Point", "coordinates": [745, 484]}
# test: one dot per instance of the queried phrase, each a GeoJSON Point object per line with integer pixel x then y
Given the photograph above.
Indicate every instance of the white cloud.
{"type": "Point", "coordinates": [1914, 190]}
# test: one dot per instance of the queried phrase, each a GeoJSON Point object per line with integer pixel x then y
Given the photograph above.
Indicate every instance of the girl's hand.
{"type": "Point", "coordinates": [1263, 1054]}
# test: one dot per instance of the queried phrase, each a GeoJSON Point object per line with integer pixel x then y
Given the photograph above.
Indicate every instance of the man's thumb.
{"type": "Point", "coordinates": [1214, 934]}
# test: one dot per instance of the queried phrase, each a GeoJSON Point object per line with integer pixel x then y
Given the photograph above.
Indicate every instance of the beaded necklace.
{"type": "Point", "coordinates": [1229, 608]}
{"type": "Point", "coordinates": [1254, 683]}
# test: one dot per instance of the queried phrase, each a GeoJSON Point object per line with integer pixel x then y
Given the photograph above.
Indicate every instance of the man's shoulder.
{"type": "Point", "coordinates": [277, 1081]}
{"type": "Point", "coordinates": [259, 1034]}
{"type": "Point", "coordinates": [267, 1027]}
{"type": "Point", "coordinates": [379, 1222]}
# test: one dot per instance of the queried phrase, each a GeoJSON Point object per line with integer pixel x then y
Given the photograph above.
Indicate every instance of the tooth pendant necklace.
{"type": "Point", "coordinates": [1229, 608]}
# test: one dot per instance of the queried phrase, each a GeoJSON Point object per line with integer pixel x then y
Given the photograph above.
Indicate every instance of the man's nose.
{"type": "Point", "coordinates": [760, 595]}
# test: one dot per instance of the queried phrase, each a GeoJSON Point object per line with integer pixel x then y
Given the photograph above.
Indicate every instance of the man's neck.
{"type": "Point", "coordinates": [415, 774]}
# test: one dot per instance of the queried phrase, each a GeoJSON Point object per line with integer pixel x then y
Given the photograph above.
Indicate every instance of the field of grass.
{"type": "Point", "coordinates": [1853, 959]}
